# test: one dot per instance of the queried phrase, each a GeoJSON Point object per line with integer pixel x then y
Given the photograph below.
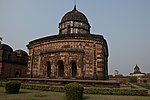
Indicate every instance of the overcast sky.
{"type": "Point", "coordinates": [125, 24]}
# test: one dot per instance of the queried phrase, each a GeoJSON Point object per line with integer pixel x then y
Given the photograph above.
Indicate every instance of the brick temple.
{"type": "Point", "coordinates": [73, 53]}
{"type": "Point", "coordinates": [13, 64]}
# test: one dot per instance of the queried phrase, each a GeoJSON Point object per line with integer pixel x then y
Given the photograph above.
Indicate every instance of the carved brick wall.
{"type": "Point", "coordinates": [89, 55]}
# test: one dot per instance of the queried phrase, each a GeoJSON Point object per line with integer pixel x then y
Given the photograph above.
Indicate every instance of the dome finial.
{"type": "Point", "coordinates": [1, 39]}
{"type": "Point", "coordinates": [75, 8]}
{"type": "Point", "coordinates": [136, 65]}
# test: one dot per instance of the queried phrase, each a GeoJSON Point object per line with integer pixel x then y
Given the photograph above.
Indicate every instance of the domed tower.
{"type": "Point", "coordinates": [74, 22]}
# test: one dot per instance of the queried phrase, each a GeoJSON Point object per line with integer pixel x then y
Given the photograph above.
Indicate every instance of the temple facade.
{"type": "Point", "coordinates": [74, 53]}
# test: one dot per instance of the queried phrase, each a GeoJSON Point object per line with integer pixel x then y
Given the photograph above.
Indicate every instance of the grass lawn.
{"type": "Point", "coordinates": [26, 94]}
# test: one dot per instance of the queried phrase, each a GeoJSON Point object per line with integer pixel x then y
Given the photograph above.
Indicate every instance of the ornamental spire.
{"type": "Point", "coordinates": [75, 8]}
{"type": "Point", "coordinates": [1, 39]}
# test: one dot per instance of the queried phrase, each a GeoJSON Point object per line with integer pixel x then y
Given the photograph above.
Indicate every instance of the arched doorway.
{"type": "Point", "coordinates": [73, 69]}
{"type": "Point", "coordinates": [17, 74]}
{"type": "Point", "coordinates": [60, 67]}
{"type": "Point", "coordinates": [48, 69]}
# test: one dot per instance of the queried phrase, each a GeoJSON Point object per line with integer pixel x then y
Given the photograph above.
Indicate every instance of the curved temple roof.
{"type": "Point", "coordinates": [74, 15]}
{"type": "Point", "coordinates": [5, 47]}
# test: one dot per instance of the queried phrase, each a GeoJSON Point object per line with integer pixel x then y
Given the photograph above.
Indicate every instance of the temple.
{"type": "Point", "coordinates": [13, 64]}
{"type": "Point", "coordinates": [74, 53]}
{"type": "Point", "coordinates": [137, 72]}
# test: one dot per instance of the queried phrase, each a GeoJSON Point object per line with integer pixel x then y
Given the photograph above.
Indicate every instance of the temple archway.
{"type": "Point", "coordinates": [48, 69]}
{"type": "Point", "coordinates": [17, 74]}
{"type": "Point", "coordinates": [60, 67]}
{"type": "Point", "coordinates": [73, 69]}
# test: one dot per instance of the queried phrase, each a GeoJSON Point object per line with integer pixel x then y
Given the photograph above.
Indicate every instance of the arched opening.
{"type": "Point", "coordinates": [68, 29]}
{"type": "Point", "coordinates": [9, 57]}
{"type": "Point", "coordinates": [17, 74]}
{"type": "Point", "coordinates": [73, 69]}
{"type": "Point", "coordinates": [48, 69]}
{"type": "Point", "coordinates": [60, 67]}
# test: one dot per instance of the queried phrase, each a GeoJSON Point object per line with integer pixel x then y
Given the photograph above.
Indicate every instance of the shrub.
{"type": "Point", "coordinates": [145, 85]}
{"type": "Point", "coordinates": [2, 83]}
{"type": "Point", "coordinates": [74, 91]}
{"type": "Point", "coordinates": [35, 87]}
{"type": "Point", "coordinates": [133, 79]}
{"type": "Point", "coordinates": [12, 87]}
{"type": "Point", "coordinates": [56, 89]}
{"type": "Point", "coordinates": [116, 91]}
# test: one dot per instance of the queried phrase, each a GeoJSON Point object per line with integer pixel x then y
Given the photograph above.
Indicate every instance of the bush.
{"type": "Point", "coordinates": [116, 91]}
{"type": "Point", "coordinates": [12, 87]}
{"type": "Point", "coordinates": [74, 91]}
{"type": "Point", "coordinates": [35, 87]}
{"type": "Point", "coordinates": [133, 79]}
{"type": "Point", "coordinates": [56, 89]}
{"type": "Point", "coordinates": [145, 85]}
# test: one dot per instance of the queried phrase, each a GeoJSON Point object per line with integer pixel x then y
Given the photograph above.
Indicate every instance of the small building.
{"type": "Point", "coordinates": [137, 72]}
{"type": "Point", "coordinates": [13, 64]}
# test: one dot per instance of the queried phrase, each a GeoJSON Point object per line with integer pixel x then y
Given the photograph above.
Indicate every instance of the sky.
{"type": "Point", "coordinates": [125, 24]}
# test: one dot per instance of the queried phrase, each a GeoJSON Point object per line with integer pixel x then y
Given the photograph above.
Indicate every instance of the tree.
{"type": "Point", "coordinates": [119, 76]}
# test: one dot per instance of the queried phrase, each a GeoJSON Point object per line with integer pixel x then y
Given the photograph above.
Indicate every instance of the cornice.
{"type": "Point", "coordinates": [93, 37]}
